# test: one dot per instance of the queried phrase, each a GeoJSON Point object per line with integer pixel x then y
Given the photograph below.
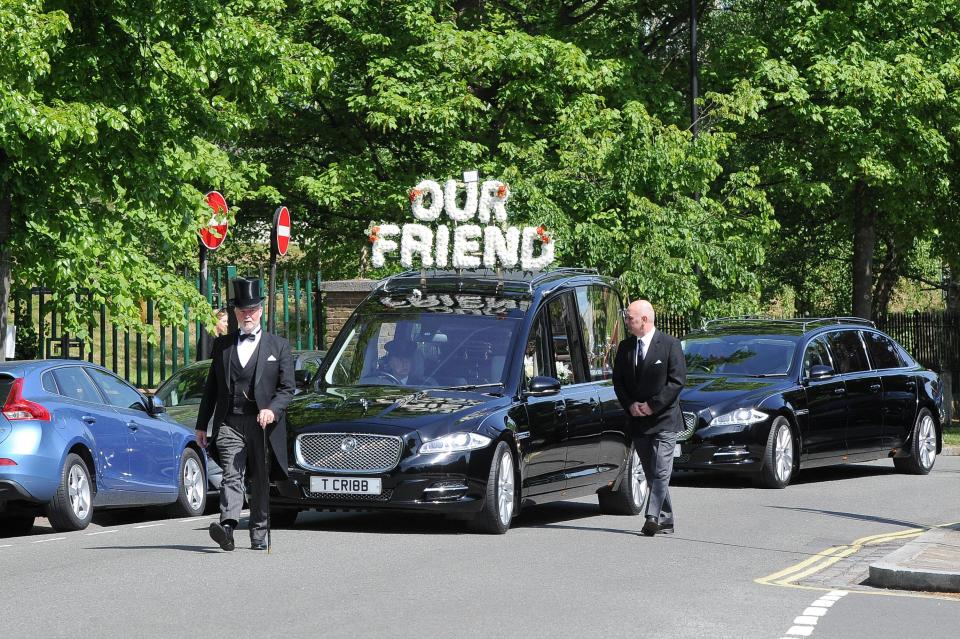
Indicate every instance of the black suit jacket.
{"type": "Point", "coordinates": [273, 388]}
{"type": "Point", "coordinates": [662, 378]}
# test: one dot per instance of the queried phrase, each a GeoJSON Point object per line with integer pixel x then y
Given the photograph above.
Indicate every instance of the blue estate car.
{"type": "Point", "coordinates": [74, 437]}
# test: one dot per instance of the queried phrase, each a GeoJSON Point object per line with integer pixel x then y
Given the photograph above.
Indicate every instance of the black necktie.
{"type": "Point", "coordinates": [639, 356]}
{"type": "Point", "coordinates": [249, 336]}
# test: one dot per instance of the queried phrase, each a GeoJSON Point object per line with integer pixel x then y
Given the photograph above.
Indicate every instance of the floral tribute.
{"type": "Point", "coordinates": [463, 244]}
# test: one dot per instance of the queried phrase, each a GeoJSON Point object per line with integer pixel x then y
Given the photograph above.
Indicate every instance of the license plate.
{"type": "Point", "coordinates": [676, 450]}
{"type": "Point", "coordinates": [345, 485]}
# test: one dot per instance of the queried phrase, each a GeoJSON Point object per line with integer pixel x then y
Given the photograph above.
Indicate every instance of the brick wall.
{"type": "Point", "coordinates": [339, 299]}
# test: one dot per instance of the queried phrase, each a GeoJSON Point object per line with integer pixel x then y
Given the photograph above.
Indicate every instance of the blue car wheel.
{"type": "Point", "coordinates": [72, 506]}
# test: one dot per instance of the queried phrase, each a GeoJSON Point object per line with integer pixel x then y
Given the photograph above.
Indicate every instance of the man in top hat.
{"type": "Point", "coordinates": [248, 387]}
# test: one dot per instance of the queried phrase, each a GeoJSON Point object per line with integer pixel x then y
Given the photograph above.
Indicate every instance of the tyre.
{"type": "Point", "coordinates": [499, 501]}
{"type": "Point", "coordinates": [283, 517]}
{"type": "Point", "coordinates": [778, 456]}
{"type": "Point", "coordinates": [630, 497]}
{"type": "Point", "coordinates": [16, 526]}
{"type": "Point", "coordinates": [71, 507]}
{"type": "Point", "coordinates": [192, 486]}
{"type": "Point", "coordinates": [923, 446]}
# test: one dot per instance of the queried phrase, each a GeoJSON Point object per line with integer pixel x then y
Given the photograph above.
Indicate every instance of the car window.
{"type": "Point", "coordinates": [185, 387]}
{"type": "Point", "coordinates": [534, 355]}
{"type": "Point", "coordinates": [847, 350]}
{"type": "Point", "coordinates": [816, 354]}
{"type": "Point", "coordinates": [600, 325]}
{"type": "Point", "coordinates": [49, 383]}
{"type": "Point", "coordinates": [739, 354]}
{"type": "Point", "coordinates": [883, 352]}
{"type": "Point", "coordinates": [563, 341]}
{"type": "Point", "coordinates": [72, 382]}
{"type": "Point", "coordinates": [118, 392]}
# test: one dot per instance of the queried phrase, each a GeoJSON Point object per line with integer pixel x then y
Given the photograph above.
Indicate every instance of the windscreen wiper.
{"type": "Point", "coordinates": [473, 386]}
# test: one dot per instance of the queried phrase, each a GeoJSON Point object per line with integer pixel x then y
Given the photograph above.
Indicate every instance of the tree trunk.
{"type": "Point", "coordinates": [887, 278]}
{"type": "Point", "coordinates": [5, 207]}
{"type": "Point", "coordinates": [864, 240]}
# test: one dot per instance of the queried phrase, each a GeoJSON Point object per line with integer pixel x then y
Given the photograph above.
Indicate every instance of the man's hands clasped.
{"type": "Point", "coordinates": [640, 409]}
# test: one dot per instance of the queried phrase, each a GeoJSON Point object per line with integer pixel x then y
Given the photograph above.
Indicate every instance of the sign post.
{"type": "Point", "coordinates": [211, 237]}
{"type": "Point", "coordinates": [279, 242]}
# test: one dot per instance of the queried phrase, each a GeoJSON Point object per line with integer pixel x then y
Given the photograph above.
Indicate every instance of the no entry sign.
{"type": "Point", "coordinates": [215, 232]}
{"type": "Point", "coordinates": [281, 230]}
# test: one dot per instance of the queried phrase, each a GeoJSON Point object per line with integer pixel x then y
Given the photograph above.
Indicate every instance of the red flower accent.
{"type": "Point", "coordinates": [373, 238]}
{"type": "Point", "coordinates": [502, 191]}
{"type": "Point", "coordinates": [415, 193]}
{"type": "Point", "coordinates": [545, 238]}
{"type": "Point", "coordinates": [541, 230]}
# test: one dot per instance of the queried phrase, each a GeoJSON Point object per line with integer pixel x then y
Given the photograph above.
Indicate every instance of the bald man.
{"type": "Point", "coordinates": [648, 375]}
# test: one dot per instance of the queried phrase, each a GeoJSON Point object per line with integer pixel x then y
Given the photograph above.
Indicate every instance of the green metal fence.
{"type": "Point", "coordinates": [146, 362]}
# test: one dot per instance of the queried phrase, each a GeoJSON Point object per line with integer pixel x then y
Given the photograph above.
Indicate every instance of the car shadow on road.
{"type": "Point", "coordinates": [205, 550]}
{"type": "Point", "coordinates": [856, 516]}
{"type": "Point", "coordinates": [842, 472]}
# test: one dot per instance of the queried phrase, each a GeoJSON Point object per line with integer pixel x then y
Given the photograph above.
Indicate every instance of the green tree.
{"type": "Point", "coordinates": [115, 117]}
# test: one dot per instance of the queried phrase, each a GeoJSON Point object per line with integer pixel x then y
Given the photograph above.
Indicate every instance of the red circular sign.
{"type": "Point", "coordinates": [281, 231]}
{"type": "Point", "coordinates": [215, 232]}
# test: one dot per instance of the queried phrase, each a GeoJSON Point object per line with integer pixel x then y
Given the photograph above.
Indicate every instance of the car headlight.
{"type": "Point", "coordinates": [455, 442]}
{"type": "Point", "coordinates": [739, 417]}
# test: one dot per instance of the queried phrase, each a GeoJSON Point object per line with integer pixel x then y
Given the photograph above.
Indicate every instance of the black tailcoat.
{"type": "Point", "coordinates": [273, 388]}
{"type": "Point", "coordinates": [659, 382]}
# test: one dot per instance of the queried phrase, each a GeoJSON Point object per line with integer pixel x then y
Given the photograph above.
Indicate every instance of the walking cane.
{"type": "Point", "coordinates": [266, 470]}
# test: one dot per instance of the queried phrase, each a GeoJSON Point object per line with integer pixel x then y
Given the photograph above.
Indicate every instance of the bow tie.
{"type": "Point", "coordinates": [247, 336]}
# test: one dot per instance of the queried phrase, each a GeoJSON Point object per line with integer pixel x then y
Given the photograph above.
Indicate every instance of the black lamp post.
{"type": "Point", "coordinates": [694, 89]}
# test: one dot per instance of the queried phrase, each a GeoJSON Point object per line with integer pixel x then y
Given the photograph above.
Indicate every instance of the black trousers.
{"type": "Point", "coordinates": [240, 444]}
{"type": "Point", "coordinates": [656, 457]}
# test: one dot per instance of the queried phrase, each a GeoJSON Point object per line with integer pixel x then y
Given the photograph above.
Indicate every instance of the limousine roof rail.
{"type": "Point", "coordinates": [802, 322]}
{"type": "Point", "coordinates": [522, 280]}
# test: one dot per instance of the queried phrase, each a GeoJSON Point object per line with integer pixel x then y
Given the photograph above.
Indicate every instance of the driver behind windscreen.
{"type": "Point", "coordinates": [399, 360]}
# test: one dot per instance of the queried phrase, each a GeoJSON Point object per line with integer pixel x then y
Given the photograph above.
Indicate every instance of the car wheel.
{"type": "Point", "coordinates": [71, 507]}
{"type": "Point", "coordinates": [192, 489]}
{"type": "Point", "coordinates": [500, 499]}
{"type": "Point", "coordinates": [923, 446]}
{"type": "Point", "coordinates": [283, 517]}
{"type": "Point", "coordinates": [630, 497]}
{"type": "Point", "coordinates": [778, 456]}
{"type": "Point", "coordinates": [16, 526]}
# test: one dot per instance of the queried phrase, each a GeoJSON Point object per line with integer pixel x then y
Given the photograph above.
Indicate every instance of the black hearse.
{"type": "Point", "coordinates": [468, 394]}
{"type": "Point", "coordinates": [767, 397]}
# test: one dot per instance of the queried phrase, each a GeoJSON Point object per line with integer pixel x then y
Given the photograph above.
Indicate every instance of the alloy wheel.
{"type": "Point", "coordinates": [505, 488]}
{"type": "Point", "coordinates": [193, 486]}
{"type": "Point", "coordinates": [78, 489]}
{"type": "Point", "coordinates": [927, 442]}
{"type": "Point", "coordinates": [783, 454]}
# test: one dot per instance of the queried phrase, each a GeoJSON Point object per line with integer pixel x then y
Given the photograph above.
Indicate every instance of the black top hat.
{"type": "Point", "coordinates": [400, 348]}
{"type": "Point", "coordinates": [246, 292]}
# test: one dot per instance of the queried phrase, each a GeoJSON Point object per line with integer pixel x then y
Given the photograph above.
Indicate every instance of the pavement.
{"type": "Point", "coordinates": [930, 562]}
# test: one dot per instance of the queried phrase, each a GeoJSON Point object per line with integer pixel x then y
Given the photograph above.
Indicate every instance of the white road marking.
{"type": "Point", "coordinates": [101, 532]}
{"type": "Point", "coordinates": [805, 624]}
{"type": "Point", "coordinates": [7, 546]}
{"type": "Point", "coordinates": [149, 525]}
{"type": "Point", "coordinates": [43, 541]}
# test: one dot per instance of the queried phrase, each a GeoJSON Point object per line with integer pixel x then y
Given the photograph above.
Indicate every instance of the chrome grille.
{"type": "Point", "coordinates": [384, 496]}
{"type": "Point", "coordinates": [689, 425]}
{"type": "Point", "coordinates": [348, 452]}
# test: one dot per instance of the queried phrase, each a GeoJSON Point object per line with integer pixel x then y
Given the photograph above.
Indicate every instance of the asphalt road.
{"type": "Point", "coordinates": [564, 570]}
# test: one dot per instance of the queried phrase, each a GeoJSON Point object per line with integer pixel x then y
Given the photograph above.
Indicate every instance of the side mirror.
{"type": "Point", "coordinates": [542, 385]}
{"type": "Point", "coordinates": [155, 405]}
{"type": "Point", "coordinates": [821, 371]}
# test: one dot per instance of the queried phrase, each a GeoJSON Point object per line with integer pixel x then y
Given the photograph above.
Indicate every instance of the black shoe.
{"type": "Point", "coordinates": [258, 545]}
{"type": "Point", "coordinates": [222, 534]}
{"type": "Point", "coordinates": [650, 527]}
{"type": "Point", "coordinates": [665, 529]}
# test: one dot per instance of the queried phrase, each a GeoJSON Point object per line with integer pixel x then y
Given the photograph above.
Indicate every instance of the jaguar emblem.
{"type": "Point", "coordinates": [349, 444]}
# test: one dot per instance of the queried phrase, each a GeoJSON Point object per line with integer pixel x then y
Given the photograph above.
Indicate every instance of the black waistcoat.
{"type": "Point", "coordinates": [241, 383]}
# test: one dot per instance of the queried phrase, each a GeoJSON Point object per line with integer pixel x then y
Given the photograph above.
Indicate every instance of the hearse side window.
{"type": "Point", "coordinates": [848, 353]}
{"type": "Point", "coordinates": [599, 309]}
{"type": "Point", "coordinates": [817, 354]}
{"type": "Point", "coordinates": [534, 355]}
{"type": "Point", "coordinates": [565, 342]}
{"type": "Point", "coordinates": [883, 352]}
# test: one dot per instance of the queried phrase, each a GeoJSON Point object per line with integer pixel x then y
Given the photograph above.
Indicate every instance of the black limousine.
{"type": "Point", "coordinates": [768, 397]}
{"type": "Point", "coordinates": [467, 394]}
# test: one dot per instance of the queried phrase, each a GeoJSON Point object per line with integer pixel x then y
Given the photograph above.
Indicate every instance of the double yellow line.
{"type": "Point", "coordinates": [826, 558]}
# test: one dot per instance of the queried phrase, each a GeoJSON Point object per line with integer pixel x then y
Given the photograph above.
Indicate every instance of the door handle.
{"type": "Point", "coordinates": [839, 391]}
{"type": "Point", "coordinates": [874, 388]}
{"type": "Point", "coordinates": [89, 419]}
{"type": "Point", "coordinates": [560, 408]}
{"type": "Point", "coordinates": [132, 426]}
{"type": "Point", "coordinates": [911, 384]}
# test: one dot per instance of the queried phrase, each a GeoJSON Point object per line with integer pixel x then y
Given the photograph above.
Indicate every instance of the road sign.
{"type": "Point", "coordinates": [215, 232]}
{"type": "Point", "coordinates": [281, 229]}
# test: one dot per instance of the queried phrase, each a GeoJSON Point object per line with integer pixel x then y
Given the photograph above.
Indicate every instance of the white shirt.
{"type": "Point", "coordinates": [245, 347]}
{"type": "Point", "coordinates": [643, 345]}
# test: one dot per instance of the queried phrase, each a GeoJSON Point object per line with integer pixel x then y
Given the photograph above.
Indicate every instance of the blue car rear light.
{"type": "Point", "coordinates": [18, 408]}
